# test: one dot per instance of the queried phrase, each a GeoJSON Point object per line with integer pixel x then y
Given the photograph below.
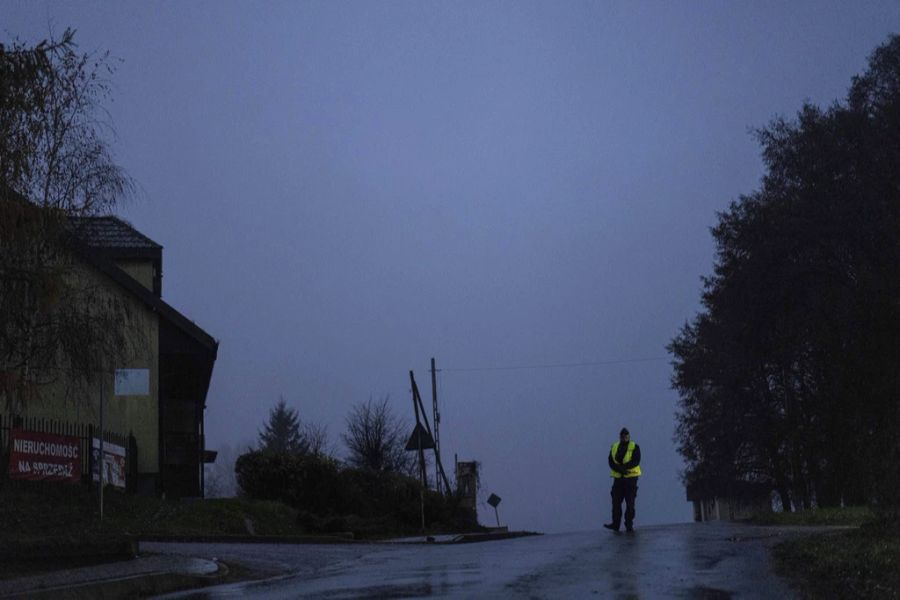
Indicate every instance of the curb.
{"type": "Point", "coordinates": [338, 538]}
{"type": "Point", "coordinates": [469, 538]}
{"type": "Point", "coordinates": [111, 549]}
{"type": "Point", "coordinates": [462, 538]}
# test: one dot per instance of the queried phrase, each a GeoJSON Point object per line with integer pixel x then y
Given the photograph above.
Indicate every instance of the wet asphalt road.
{"type": "Point", "coordinates": [697, 560]}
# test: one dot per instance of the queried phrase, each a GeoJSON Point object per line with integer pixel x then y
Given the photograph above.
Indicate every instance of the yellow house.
{"type": "Point", "coordinates": [158, 393]}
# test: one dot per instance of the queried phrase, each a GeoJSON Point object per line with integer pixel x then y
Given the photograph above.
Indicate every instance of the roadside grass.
{"type": "Point", "coordinates": [58, 514]}
{"type": "Point", "coordinates": [137, 515]}
{"type": "Point", "coordinates": [46, 526]}
{"type": "Point", "coordinates": [863, 562]}
{"type": "Point", "coordinates": [50, 526]}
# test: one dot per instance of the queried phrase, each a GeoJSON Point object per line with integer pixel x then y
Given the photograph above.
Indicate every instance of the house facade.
{"type": "Point", "coordinates": [157, 390]}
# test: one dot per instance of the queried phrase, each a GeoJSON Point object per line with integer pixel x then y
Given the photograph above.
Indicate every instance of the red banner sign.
{"type": "Point", "coordinates": [44, 456]}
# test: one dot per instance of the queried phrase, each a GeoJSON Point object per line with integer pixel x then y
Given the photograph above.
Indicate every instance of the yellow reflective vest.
{"type": "Point", "coordinates": [634, 471]}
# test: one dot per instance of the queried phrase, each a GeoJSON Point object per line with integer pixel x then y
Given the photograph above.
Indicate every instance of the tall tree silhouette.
{"type": "Point", "coordinates": [788, 375]}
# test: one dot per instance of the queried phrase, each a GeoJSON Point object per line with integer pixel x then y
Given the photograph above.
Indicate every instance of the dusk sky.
{"type": "Point", "coordinates": [345, 189]}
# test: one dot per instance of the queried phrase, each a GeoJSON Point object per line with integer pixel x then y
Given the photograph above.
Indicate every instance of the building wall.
{"type": "Point", "coordinates": [138, 415]}
{"type": "Point", "coordinates": [141, 271]}
{"type": "Point", "coordinates": [729, 509]}
{"type": "Point", "coordinates": [467, 490]}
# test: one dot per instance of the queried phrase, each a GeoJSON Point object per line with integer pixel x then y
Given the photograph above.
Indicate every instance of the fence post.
{"type": "Point", "coordinates": [4, 448]}
{"type": "Point", "coordinates": [132, 454]}
{"type": "Point", "coordinates": [90, 453]}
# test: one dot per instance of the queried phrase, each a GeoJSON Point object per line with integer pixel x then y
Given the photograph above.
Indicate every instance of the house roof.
{"type": "Point", "coordinates": [114, 237]}
{"type": "Point", "coordinates": [101, 239]}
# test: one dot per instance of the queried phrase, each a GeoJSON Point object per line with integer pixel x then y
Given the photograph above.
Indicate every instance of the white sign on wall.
{"type": "Point", "coordinates": [132, 382]}
{"type": "Point", "coordinates": [113, 463]}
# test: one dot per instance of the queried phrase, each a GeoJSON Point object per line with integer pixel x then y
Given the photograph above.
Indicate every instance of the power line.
{"type": "Point", "coordinates": [560, 365]}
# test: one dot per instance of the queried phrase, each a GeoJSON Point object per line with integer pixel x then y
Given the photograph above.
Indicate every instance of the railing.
{"type": "Point", "coordinates": [85, 432]}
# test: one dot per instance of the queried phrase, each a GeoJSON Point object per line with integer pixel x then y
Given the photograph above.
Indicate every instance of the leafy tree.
{"type": "Point", "coordinates": [281, 433]}
{"type": "Point", "coordinates": [55, 164]}
{"type": "Point", "coordinates": [788, 375]}
{"type": "Point", "coordinates": [376, 438]}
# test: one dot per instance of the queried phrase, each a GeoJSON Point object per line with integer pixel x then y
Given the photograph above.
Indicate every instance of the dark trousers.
{"type": "Point", "coordinates": [624, 488]}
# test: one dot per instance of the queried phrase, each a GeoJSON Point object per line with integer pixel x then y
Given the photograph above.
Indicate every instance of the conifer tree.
{"type": "Point", "coordinates": [282, 431]}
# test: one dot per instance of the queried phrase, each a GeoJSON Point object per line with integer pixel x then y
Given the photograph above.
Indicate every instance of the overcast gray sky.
{"type": "Point", "coordinates": [346, 189]}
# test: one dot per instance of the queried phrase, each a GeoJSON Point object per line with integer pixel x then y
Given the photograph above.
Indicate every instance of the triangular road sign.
{"type": "Point", "coordinates": [420, 435]}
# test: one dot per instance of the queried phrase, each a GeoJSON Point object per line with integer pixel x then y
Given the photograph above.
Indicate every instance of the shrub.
{"type": "Point", "coordinates": [306, 482]}
{"type": "Point", "coordinates": [331, 498]}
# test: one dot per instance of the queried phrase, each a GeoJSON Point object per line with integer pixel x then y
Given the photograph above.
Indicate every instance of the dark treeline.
{"type": "Point", "coordinates": [790, 375]}
{"type": "Point", "coordinates": [371, 493]}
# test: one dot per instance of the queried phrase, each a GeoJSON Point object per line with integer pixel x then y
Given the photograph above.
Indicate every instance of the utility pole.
{"type": "Point", "coordinates": [417, 401]}
{"type": "Point", "coordinates": [437, 421]}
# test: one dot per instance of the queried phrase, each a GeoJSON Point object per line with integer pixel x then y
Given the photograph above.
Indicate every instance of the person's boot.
{"type": "Point", "coordinates": [612, 526]}
{"type": "Point", "coordinates": [629, 528]}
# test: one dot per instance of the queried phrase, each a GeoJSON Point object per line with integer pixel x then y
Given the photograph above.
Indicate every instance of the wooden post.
{"type": "Point", "coordinates": [412, 381]}
{"type": "Point", "coordinates": [90, 453]}
{"type": "Point", "coordinates": [424, 482]}
{"type": "Point", "coordinates": [437, 419]}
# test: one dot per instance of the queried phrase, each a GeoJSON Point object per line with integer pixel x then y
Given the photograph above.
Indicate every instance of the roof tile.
{"type": "Point", "coordinates": [110, 232]}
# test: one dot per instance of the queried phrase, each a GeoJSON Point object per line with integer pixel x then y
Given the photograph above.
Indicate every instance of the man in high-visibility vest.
{"type": "Point", "coordinates": [624, 465]}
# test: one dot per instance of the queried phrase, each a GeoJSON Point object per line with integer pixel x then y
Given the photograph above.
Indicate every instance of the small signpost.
{"type": "Point", "coordinates": [494, 500]}
{"type": "Point", "coordinates": [127, 382]}
{"type": "Point", "coordinates": [419, 441]}
{"type": "Point", "coordinates": [101, 447]}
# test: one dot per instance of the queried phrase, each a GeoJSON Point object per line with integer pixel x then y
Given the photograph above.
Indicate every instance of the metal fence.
{"type": "Point", "coordinates": [85, 432]}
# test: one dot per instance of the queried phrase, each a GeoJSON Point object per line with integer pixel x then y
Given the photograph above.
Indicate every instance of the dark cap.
{"type": "Point", "coordinates": [624, 431]}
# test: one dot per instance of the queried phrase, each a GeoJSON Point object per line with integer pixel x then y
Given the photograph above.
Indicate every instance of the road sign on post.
{"type": "Point", "coordinates": [420, 439]}
{"type": "Point", "coordinates": [494, 500]}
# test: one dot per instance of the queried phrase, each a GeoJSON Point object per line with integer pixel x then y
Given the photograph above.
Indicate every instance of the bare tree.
{"type": "Point", "coordinates": [55, 164]}
{"type": "Point", "coordinates": [316, 437]}
{"type": "Point", "coordinates": [376, 438]}
{"type": "Point", "coordinates": [53, 128]}
{"type": "Point", "coordinates": [219, 477]}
